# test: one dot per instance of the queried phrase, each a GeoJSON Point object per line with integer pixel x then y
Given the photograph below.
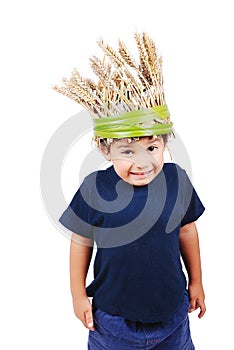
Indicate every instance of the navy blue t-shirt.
{"type": "Point", "coordinates": [137, 270]}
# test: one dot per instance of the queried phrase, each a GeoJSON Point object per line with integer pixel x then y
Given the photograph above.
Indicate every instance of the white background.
{"type": "Point", "coordinates": [41, 42]}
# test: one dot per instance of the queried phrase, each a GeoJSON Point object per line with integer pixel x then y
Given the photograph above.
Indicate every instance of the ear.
{"type": "Point", "coordinates": [105, 152]}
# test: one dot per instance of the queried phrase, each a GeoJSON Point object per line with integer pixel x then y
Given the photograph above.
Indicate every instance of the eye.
{"type": "Point", "coordinates": [128, 152]}
{"type": "Point", "coordinates": [152, 148]}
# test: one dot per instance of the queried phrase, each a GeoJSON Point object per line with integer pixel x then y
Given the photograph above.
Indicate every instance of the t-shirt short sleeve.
{"type": "Point", "coordinates": [77, 216]}
{"type": "Point", "coordinates": [193, 207]}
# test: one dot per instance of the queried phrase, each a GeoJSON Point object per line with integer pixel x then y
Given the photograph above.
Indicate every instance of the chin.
{"type": "Point", "coordinates": [142, 182]}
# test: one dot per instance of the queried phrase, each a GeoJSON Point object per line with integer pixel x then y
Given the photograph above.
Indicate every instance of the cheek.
{"type": "Point", "coordinates": [122, 167]}
{"type": "Point", "coordinates": [159, 159]}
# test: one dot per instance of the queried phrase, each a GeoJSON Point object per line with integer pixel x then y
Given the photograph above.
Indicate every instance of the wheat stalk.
{"type": "Point", "coordinates": [123, 83]}
{"type": "Point", "coordinates": [119, 63]}
{"type": "Point", "coordinates": [100, 69]}
{"type": "Point", "coordinates": [132, 63]}
{"type": "Point", "coordinates": [126, 55]}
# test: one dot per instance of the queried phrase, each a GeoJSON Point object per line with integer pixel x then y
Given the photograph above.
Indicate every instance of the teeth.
{"type": "Point", "coordinates": [144, 173]}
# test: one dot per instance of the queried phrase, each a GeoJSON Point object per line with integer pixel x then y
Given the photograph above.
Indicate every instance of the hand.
{"type": "Point", "coordinates": [83, 310]}
{"type": "Point", "coordinates": [197, 298]}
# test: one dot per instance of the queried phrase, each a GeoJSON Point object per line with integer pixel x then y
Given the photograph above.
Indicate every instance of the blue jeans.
{"type": "Point", "coordinates": [116, 333]}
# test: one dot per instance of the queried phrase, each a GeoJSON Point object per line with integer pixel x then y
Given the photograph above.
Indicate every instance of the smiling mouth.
{"type": "Point", "coordinates": [141, 173]}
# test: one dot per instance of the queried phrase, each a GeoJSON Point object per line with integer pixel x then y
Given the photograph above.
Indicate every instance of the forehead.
{"type": "Point", "coordinates": [146, 141]}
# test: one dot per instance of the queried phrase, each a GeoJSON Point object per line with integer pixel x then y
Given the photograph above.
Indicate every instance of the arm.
{"type": "Point", "coordinates": [80, 256]}
{"type": "Point", "coordinates": [190, 252]}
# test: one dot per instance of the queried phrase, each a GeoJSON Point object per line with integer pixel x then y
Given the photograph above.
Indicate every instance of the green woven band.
{"type": "Point", "coordinates": [144, 122]}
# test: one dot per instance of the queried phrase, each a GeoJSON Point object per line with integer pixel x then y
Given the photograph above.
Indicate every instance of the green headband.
{"type": "Point", "coordinates": [135, 123]}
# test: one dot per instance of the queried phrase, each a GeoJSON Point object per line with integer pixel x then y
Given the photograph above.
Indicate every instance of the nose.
{"type": "Point", "coordinates": [141, 161]}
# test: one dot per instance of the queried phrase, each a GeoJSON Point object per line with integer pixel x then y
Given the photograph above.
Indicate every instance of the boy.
{"type": "Point", "coordinates": [140, 213]}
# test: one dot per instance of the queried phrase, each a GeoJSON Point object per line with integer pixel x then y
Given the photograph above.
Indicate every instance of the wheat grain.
{"type": "Point", "coordinates": [123, 83]}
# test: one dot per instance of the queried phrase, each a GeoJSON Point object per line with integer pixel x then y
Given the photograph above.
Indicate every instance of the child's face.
{"type": "Point", "coordinates": [139, 162]}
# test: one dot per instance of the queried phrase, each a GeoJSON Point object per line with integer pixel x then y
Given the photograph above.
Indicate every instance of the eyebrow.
{"type": "Point", "coordinates": [154, 140]}
{"type": "Point", "coordinates": [132, 143]}
{"type": "Point", "coordinates": [124, 146]}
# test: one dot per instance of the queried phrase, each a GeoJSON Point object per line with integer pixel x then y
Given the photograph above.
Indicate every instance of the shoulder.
{"type": "Point", "coordinates": [174, 173]}
{"type": "Point", "coordinates": [99, 179]}
{"type": "Point", "coordinates": [98, 175]}
{"type": "Point", "coordinates": [173, 168]}
{"type": "Point", "coordinates": [101, 184]}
